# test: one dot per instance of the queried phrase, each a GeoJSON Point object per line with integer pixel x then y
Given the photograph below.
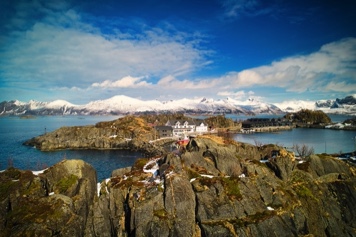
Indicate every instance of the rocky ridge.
{"type": "Point", "coordinates": [214, 187]}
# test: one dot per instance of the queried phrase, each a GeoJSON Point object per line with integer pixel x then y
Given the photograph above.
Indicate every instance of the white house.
{"type": "Point", "coordinates": [182, 128]}
{"type": "Point", "coordinates": [201, 128]}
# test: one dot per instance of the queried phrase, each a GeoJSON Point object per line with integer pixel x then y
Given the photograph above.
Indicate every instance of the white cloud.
{"type": "Point", "coordinates": [317, 71]}
{"type": "Point", "coordinates": [128, 81]}
{"type": "Point", "coordinates": [62, 50]}
{"type": "Point", "coordinates": [239, 95]}
{"type": "Point", "coordinates": [171, 82]}
{"type": "Point", "coordinates": [236, 8]}
{"type": "Point", "coordinates": [340, 87]}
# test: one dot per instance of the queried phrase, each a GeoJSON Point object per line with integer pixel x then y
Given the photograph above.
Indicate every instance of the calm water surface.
{"type": "Point", "coordinates": [14, 131]}
{"type": "Point", "coordinates": [322, 140]}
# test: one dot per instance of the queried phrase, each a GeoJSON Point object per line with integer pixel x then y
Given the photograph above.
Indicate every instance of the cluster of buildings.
{"type": "Point", "coordinates": [181, 128]}
{"type": "Point", "coordinates": [252, 124]}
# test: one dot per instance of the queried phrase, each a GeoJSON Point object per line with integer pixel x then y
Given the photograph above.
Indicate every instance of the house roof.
{"type": "Point", "coordinates": [174, 122]}
{"type": "Point", "coordinates": [158, 128]}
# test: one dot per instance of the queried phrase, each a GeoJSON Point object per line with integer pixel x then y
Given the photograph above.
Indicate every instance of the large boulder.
{"type": "Point", "coordinates": [53, 203]}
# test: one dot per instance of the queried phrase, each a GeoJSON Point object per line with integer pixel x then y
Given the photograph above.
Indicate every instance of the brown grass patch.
{"type": "Point", "coordinates": [217, 139]}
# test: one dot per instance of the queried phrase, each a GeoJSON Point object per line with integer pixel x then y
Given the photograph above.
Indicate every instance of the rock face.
{"type": "Point", "coordinates": [214, 187]}
{"type": "Point", "coordinates": [53, 203]}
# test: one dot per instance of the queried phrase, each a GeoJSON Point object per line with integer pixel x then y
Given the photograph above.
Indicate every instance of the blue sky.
{"type": "Point", "coordinates": [81, 51]}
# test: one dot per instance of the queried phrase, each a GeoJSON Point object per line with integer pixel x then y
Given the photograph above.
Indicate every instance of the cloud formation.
{"type": "Point", "coordinates": [332, 68]}
{"type": "Point", "coordinates": [55, 49]}
{"type": "Point", "coordinates": [63, 50]}
{"type": "Point", "coordinates": [237, 8]}
{"type": "Point", "coordinates": [128, 81]}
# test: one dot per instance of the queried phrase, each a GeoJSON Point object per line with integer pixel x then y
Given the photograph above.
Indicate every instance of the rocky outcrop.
{"type": "Point", "coordinates": [214, 187]}
{"type": "Point", "coordinates": [53, 203]}
{"type": "Point", "coordinates": [130, 133]}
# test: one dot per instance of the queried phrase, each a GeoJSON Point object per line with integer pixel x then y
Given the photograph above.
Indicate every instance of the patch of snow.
{"type": "Point", "coordinates": [270, 208]}
{"type": "Point", "coordinates": [208, 176]}
{"type": "Point", "coordinates": [51, 193]}
{"type": "Point", "coordinates": [193, 179]}
{"type": "Point", "coordinates": [98, 187]}
{"type": "Point", "coordinates": [113, 136]}
{"type": "Point", "coordinates": [38, 172]}
{"type": "Point", "coordinates": [242, 176]}
{"type": "Point", "coordinates": [154, 167]}
{"type": "Point", "coordinates": [58, 104]}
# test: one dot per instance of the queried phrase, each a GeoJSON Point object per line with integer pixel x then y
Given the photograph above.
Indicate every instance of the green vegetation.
{"type": "Point", "coordinates": [191, 173]}
{"type": "Point", "coordinates": [139, 164]}
{"type": "Point", "coordinates": [161, 119]}
{"type": "Point", "coordinates": [5, 188]}
{"type": "Point", "coordinates": [220, 122]}
{"type": "Point", "coordinates": [37, 211]}
{"type": "Point", "coordinates": [309, 116]}
{"type": "Point", "coordinates": [161, 213]}
{"type": "Point", "coordinates": [12, 173]}
{"type": "Point", "coordinates": [303, 191]}
{"type": "Point", "coordinates": [65, 183]}
{"type": "Point", "coordinates": [231, 186]}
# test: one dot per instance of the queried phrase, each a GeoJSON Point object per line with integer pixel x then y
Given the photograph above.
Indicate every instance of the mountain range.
{"type": "Point", "coordinates": [121, 105]}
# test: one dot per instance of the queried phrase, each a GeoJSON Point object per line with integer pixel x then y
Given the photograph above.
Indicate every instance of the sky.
{"type": "Point", "coordinates": [271, 50]}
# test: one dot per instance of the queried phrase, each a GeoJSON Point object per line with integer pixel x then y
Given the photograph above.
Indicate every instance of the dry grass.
{"type": "Point", "coordinates": [214, 138]}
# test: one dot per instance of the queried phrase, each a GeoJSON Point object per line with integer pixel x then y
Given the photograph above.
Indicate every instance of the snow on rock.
{"type": "Point", "coordinates": [208, 176]}
{"type": "Point", "coordinates": [98, 187]}
{"type": "Point", "coordinates": [124, 104]}
{"type": "Point", "coordinates": [151, 167]}
{"type": "Point", "coordinates": [38, 172]}
{"type": "Point", "coordinates": [59, 104]}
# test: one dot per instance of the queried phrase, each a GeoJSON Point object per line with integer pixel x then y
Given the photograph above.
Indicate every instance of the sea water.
{"type": "Point", "coordinates": [321, 140]}
{"type": "Point", "coordinates": [15, 130]}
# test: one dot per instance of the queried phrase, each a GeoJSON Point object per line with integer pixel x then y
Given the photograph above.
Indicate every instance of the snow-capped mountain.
{"type": "Point", "coordinates": [126, 105]}
{"type": "Point", "coordinates": [346, 105]}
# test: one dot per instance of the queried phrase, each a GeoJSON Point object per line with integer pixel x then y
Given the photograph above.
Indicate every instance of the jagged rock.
{"type": "Point", "coordinates": [54, 203]}
{"type": "Point", "coordinates": [210, 189]}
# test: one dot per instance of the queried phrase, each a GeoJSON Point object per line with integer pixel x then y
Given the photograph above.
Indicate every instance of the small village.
{"type": "Point", "coordinates": [185, 128]}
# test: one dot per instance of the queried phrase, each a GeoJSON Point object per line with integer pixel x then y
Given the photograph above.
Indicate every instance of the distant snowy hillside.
{"type": "Point", "coordinates": [346, 105]}
{"type": "Point", "coordinates": [126, 105]}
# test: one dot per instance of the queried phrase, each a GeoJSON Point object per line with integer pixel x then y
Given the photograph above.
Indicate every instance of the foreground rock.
{"type": "Point", "coordinates": [214, 187]}
{"type": "Point", "coordinates": [53, 203]}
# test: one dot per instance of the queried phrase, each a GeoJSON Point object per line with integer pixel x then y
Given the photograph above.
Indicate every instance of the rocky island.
{"type": "Point", "coordinates": [213, 187]}
{"type": "Point", "coordinates": [129, 132]}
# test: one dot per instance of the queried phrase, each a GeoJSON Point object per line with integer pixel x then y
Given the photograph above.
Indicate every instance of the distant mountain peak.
{"type": "Point", "coordinates": [121, 104]}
